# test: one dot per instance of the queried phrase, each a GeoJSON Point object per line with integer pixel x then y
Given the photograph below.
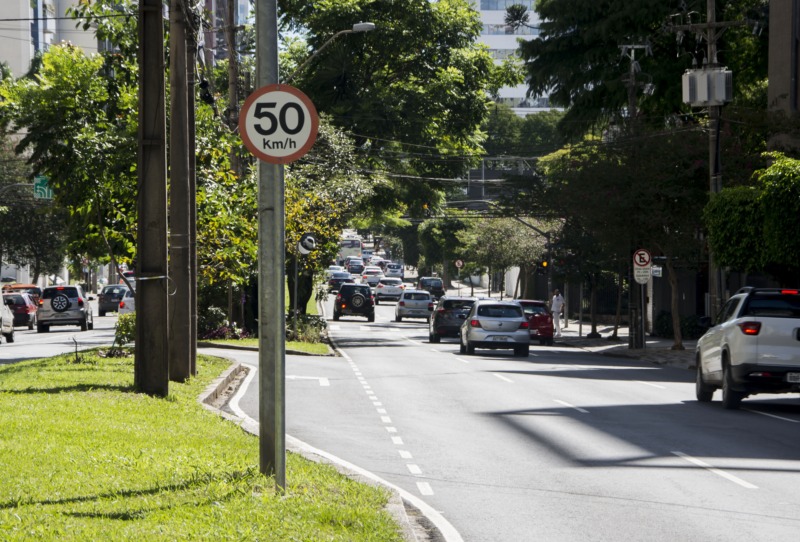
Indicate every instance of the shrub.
{"type": "Point", "coordinates": [211, 319]}
{"type": "Point", "coordinates": [310, 328]}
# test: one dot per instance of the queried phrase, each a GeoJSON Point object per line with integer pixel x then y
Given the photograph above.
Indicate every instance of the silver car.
{"type": "Point", "coordinates": [64, 306]}
{"type": "Point", "coordinates": [413, 304]}
{"type": "Point", "coordinates": [389, 288]}
{"type": "Point", "coordinates": [495, 324]}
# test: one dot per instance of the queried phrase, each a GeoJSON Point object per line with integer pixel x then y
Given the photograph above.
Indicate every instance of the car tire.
{"type": "Point", "coordinates": [60, 303]}
{"type": "Point", "coordinates": [470, 348]}
{"type": "Point", "coordinates": [731, 398]}
{"type": "Point", "coordinates": [84, 325]}
{"type": "Point", "coordinates": [542, 342]}
{"type": "Point", "coordinates": [704, 392]}
{"type": "Point", "coordinates": [91, 325]}
{"type": "Point", "coordinates": [398, 318]}
{"type": "Point", "coordinates": [335, 316]}
{"type": "Point", "coordinates": [101, 313]}
{"type": "Point", "coordinates": [461, 348]}
{"type": "Point", "coordinates": [10, 337]}
{"type": "Point", "coordinates": [42, 328]}
{"type": "Point", "coordinates": [358, 301]}
{"type": "Point", "coordinates": [371, 317]}
{"type": "Point", "coordinates": [550, 341]}
{"type": "Point", "coordinates": [377, 300]}
{"type": "Point", "coordinates": [522, 351]}
{"type": "Point", "coordinates": [434, 338]}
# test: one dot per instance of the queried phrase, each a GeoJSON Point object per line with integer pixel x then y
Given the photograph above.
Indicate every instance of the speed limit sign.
{"type": "Point", "coordinates": [278, 123]}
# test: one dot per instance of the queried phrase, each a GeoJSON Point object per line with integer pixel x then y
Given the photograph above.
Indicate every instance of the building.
{"type": "Point", "coordinates": [502, 42]}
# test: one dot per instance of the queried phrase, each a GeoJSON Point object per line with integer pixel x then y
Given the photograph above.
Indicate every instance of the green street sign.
{"type": "Point", "coordinates": [41, 190]}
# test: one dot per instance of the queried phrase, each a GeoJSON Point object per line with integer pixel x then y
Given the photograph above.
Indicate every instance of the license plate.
{"type": "Point", "coordinates": [793, 377]}
{"type": "Point", "coordinates": [499, 338]}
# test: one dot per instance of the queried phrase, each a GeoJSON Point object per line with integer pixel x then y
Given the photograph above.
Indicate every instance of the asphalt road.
{"type": "Point", "coordinates": [563, 445]}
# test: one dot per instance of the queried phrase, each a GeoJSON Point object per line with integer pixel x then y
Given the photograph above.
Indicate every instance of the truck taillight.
{"type": "Point", "coordinates": [750, 328]}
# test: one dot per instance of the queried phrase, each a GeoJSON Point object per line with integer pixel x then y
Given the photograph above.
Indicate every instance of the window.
{"type": "Point", "coordinates": [499, 311]}
{"type": "Point", "coordinates": [501, 5]}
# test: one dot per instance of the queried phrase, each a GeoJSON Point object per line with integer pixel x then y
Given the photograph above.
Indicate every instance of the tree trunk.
{"type": "Point", "coordinates": [593, 309]}
{"type": "Point", "coordinates": [618, 315]}
{"type": "Point", "coordinates": [676, 317]}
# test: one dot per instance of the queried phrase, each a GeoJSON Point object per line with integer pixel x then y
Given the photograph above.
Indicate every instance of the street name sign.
{"type": "Point", "coordinates": [278, 123]}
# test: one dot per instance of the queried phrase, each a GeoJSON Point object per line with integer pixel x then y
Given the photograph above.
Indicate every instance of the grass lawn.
{"type": "Point", "coordinates": [84, 457]}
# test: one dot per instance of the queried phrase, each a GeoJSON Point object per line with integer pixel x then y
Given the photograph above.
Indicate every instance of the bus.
{"type": "Point", "coordinates": [350, 246]}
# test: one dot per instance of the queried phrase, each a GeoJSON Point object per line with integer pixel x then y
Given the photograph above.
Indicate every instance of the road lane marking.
{"type": "Point", "coordinates": [322, 380]}
{"type": "Point", "coordinates": [392, 429]}
{"type": "Point", "coordinates": [405, 454]}
{"type": "Point", "coordinates": [381, 410]}
{"type": "Point", "coordinates": [718, 472]}
{"type": "Point", "coordinates": [414, 469]}
{"type": "Point", "coordinates": [424, 488]}
{"type": "Point", "coordinates": [377, 403]}
{"type": "Point", "coordinates": [579, 409]}
{"type": "Point", "coordinates": [501, 377]}
{"type": "Point", "coordinates": [463, 360]}
{"type": "Point", "coordinates": [397, 440]}
{"type": "Point", "coordinates": [386, 419]}
{"type": "Point", "coordinates": [772, 415]}
{"type": "Point", "coordinates": [650, 384]}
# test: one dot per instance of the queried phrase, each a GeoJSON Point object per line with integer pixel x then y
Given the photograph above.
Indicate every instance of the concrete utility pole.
{"type": "Point", "coordinates": [271, 266]}
{"type": "Point", "coordinates": [233, 81]}
{"type": "Point", "coordinates": [191, 64]}
{"type": "Point", "coordinates": [151, 365]}
{"type": "Point", "coordinates": [179, 310]}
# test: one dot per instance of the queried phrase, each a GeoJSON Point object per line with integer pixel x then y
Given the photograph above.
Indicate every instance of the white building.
{"type": "Point", "coordinates": [502, 42]}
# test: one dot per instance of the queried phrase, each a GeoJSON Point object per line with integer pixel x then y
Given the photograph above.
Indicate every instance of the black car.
{"type": "Point", "coordinates": [338, 278]}
{"type": "Point", "coordinates": [109, 298]}
{"type": "Point", "coordinates": [354, 300]}
{"type": "Point", "coordinates": [433, 285]}
{"type": "Point", "coordinates": [447, 317]}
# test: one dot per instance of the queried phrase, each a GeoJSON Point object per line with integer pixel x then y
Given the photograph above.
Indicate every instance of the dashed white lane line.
{"type": "Point", "coordinates": [392, 429]}
{"type": "Point", "coordinates": [386, 419]}
{"type": "Point", "coordinates": [405, 454]}
{"type": "Point", "coordinates": [503, 378]}
{"type": "Point", "coordinates": [772, 415]}
{"type": "Point", "coordinates": [414, 469]}
{"type": "Point", "coordinates": [579, 409]}
{"type": "Point", "coordinates": [381, 410]}
{"type": "Point", "coordinates": [718, 472]}
{"type": "Point", "coordinates": [650, 384]}
{"type": "Point", "coordinates": [462, 360]}
{"type": "Point", "coordinates": [424, 488]}
{"type": "Point", "coordinates": [398, 441]}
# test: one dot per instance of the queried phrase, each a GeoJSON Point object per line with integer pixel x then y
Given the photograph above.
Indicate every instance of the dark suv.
{"type": "Point", "coordinates": [448, 316]}
{"type": "Point", "coordinates": [433, 285]}
{"type": "Point", "coordinates": [354, 300]}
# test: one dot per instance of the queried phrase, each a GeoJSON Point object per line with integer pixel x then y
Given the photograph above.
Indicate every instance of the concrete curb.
{"type": "Point", "coordinates": [206, 344]}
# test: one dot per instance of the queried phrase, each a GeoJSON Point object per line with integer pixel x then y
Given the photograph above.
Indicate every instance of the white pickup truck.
{"type": "Point", "coordinates": [754, 347]}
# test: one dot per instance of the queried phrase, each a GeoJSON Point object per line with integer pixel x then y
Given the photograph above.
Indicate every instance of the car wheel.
{"type": "Point", "coordinates": [731, 398]}
{"type": "Point", "coordinates": [101, 313]}
{"type": "Point", "coordinates": [398, 318]}
{"type": "Point", "coordinates": [335, 316]}
{"type": "Point", "coordinates": [371, 317]}
{"type": "Point", "coordinates": [60, 303]}
{"type": "Point", "coordinates": [470, 348]}
{"type": "Point", "coordinates": [358, 301]}
{"type": "Point", "coordinates": [91, 325]}
{"type": "Point", "coordinates": [377, 300]}
{"type": "Point", "coordinates": [550, 342]}
{"type": "Point", "coordinates": [434, 338]}
{"type": "Point", "coordinates": [461, 347]}
{"type": "Point", "coordinates": [42, 328]}
{"type": "Point", "coordinates": [542, 342]}
{"type": "Point", "coordinates": [10, 337]}
{"type": "Point", "coordinates": [702, 391]}
{"type": "Point", "coordinates": [522, 351]}
{"type": "Point", "coordinates": [84, 325]}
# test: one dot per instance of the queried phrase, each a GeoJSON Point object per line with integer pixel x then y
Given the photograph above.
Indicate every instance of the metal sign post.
{"type": "Point", "coordinates": [642, 267]}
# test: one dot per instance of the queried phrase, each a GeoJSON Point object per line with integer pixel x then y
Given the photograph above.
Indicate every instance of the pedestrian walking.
{"type": "Point", "coordinates": [557, 307]}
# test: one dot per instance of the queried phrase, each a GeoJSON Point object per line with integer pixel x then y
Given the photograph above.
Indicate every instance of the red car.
{"type": "Point", "coordinates": [24, 309]}
{"type": "Point", "coordinates": [540, 319]}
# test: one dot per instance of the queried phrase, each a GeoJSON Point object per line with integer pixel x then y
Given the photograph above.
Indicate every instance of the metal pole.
{"type": "Point", "coordinates": [294, 299]}
{"type": "Point", "coordinates": [271, 265]}
{"type": "Point", "coordinates": [643, 331]}
{"type": "Point", "coordinates": [715, 179]}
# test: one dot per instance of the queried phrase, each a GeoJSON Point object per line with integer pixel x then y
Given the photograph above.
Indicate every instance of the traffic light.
{"type": "Point", "coordinates": [541, 268]}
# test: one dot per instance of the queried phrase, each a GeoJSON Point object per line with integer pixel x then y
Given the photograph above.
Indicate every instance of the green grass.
{"type": "Point", "coordinates": [319, 349]}
{"type": "Point", "coordinates": [84, 457]}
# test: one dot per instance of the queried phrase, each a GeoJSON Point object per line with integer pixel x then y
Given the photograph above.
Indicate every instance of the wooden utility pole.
{"type": "Point", "coordinates": [151, 364]}
{"type": "Point", "coordinates": [179, 311]}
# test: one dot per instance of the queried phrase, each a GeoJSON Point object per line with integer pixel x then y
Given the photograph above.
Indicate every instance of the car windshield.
{"type": "Point", "coordinates": [17, 299]}
{"type": "Point", "coordinates": [364, 290]}
{"type": "Point", "coordinates": [534, 309]}
{"type": "Point", "coordinates": [417, 296]}
{"type": "Point", "coordinates": [114, 289]}
{"type": "Point", "coordinates": [391, 282]}
{"type": "Point", "coordinates": [500, 311]}
{"type": "Point", "coordinates": [432, 283]}
{"type": "Point", "coordinates": [50, 293]}
{"type": "Point", "coordinates": [776, 305]}
{"type": "Point", "coordinates": [455, 304]}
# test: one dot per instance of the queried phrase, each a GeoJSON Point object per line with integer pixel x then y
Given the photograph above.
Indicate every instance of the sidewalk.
{"type": "Point", "coordinates": [657, 350]}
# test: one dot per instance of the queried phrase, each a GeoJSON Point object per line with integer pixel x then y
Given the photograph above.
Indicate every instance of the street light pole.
{"type": "Point", "coordinates": [358, 27]}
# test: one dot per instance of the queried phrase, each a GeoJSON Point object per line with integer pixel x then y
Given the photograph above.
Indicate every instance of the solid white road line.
{"type": "Point", "coordinates": [579, 409]}
{"type": "Point", "coordinates": [718, 472]}
{"type": "Point", "coordinates": [772, 415]}
{"type": "Point", "coordinates": [501, 377]}
{"type": "Point", "coordinates": [650, 384]}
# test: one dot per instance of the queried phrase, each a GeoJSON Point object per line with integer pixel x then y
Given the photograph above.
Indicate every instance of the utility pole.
{"type": "Point", "coordinates": [191, 64]}
{"type": "Point", "coordinates": [233, 80]}
{"type": "Point", "coordinates": [151, 363]}
{"type": "Point", "coordinates": [179, 311]}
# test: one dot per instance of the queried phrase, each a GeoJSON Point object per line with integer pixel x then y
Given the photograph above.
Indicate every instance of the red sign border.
{"type": "Point", "coordinates": [248, 104]}
{"type": "Point", "coordinates": [649, 258]}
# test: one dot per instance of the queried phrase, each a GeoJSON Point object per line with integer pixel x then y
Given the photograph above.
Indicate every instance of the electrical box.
{"type": "Point", "coordinates": [709, 86]}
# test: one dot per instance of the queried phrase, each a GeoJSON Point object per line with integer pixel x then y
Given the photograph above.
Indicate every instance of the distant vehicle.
{"type": "Point", "coordinates": [23, 307]}
{"type": "Point", "coordinates": [128, 303]}
{"type": "Point", "coordinates": [355, 267]}
{"type": "Point", "coordinates": [339, 278]}
{"type": "Point", "coordinates": [354, 300]}
{"type": "Point", "coordinates": [333, 269]}
{"type": "Point", "coordinates": [413, 304]}
{"type": "Point", "coordinates": [64, 306]}
{"type": "Point", "coordinates": [130, 275]}
{"type": "Point", "coordinates": [495, 324]}
{"type": "Point", "coordinates": [754, 347]}
{"type": "Point", "coordinates": [32, 289]}
{"type": "Point", "coordinates": [434, 285]}
{"type": "Point", "coordinates": [393, 269]}
{"type": "Point", "coordinates": [371, 275]}
{"type": "Point", "coordinates": [448, 315]}
{"type": "Point", "coordinates": [109, 298]}
{"type": "Point", "coordinates": [540, 319]}
{"type": "Point", "coordinates": [389, 288]}
{"type": "Point", "coordinates": [351, 246]}
{"type": "Point", "coordinates": [6, 321]}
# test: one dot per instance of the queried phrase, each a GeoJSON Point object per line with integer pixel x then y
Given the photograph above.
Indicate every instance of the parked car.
{"type": "Point", "coordinates": [23, 308]}
{"type": "Point", "coordinates": [64, 306]}
{"type": "Point", "coordinates": [354, 300]}
{"type": "Point", "coordinates": [109, 297]}
{"type": "Point", "coordinates": [371, 275]}
{"type": "Point", "coordinates": [495, 324]}
{"type": "Point", "coordinates": [127, 304]}
{"type": "Point", "coordinates": [393, 269]}
{"type": "Point", "coordinates": [339, 278]}
{"type": "Point", "coordinates": [540, 319]}
{"type": "Point", "coordinates": [448, 315]}
{"type": "Point", "coordinates": [388, 288]}
{"type": "Point", "coordinates": [34, 291]}
{"type": "Point", "coordinates": [413, 304]}
{"type": "Point", "coordinates": [433, 285]}
{"type": "Point", "coordinates": [6, 321]}
{"type": "Point", "coordinates": [754, 347]}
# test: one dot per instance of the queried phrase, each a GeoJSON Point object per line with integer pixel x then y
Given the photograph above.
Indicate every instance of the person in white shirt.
{"type": "Point", "coordinates": [557, 307]}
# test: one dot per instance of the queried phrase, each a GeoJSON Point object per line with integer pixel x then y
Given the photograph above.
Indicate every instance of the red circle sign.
{"type": "Point", "coordinates": [278, 123]}
{"type": "Point", "coordinates": [642, 258]}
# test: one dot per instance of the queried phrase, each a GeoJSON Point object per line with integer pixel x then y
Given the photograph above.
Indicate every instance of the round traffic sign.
{"type": "Point", "coordinates": [306, 244]}
{"type": "Point", "coordinates": [278, 123]}
{"type": "Point", "coordinates": [642, 258]}
{"type": "Point", "coordinates": [459, 264]}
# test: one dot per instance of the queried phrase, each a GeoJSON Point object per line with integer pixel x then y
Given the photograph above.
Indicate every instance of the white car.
{"type": "Point", "coordinates": [128, 303]}
{"type": "Point", "coordinates": [6, 319]}
{"type": "Point", "coordinates": [389, 288]}
{"type": "Point", "coordinates": [493, 324]}
{"type": "Point", "coordinates": [392, 269]}
{"type": "Point", "coordinates": [753, 348]}
{"type": "Point", "coordinates": [371, 275]}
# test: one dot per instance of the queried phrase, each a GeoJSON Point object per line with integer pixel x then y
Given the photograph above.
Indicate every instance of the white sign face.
{"type": "Point", "coordinates": [657, 271]}
{"type": "Point", "coordinates": [642, 258]}
{"type": "Point", "coordinates": [278, 124]}
{"type": "Point", "coordinates": [641, 274]}
{"type": "Point", "coordinates": [459, 264]}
